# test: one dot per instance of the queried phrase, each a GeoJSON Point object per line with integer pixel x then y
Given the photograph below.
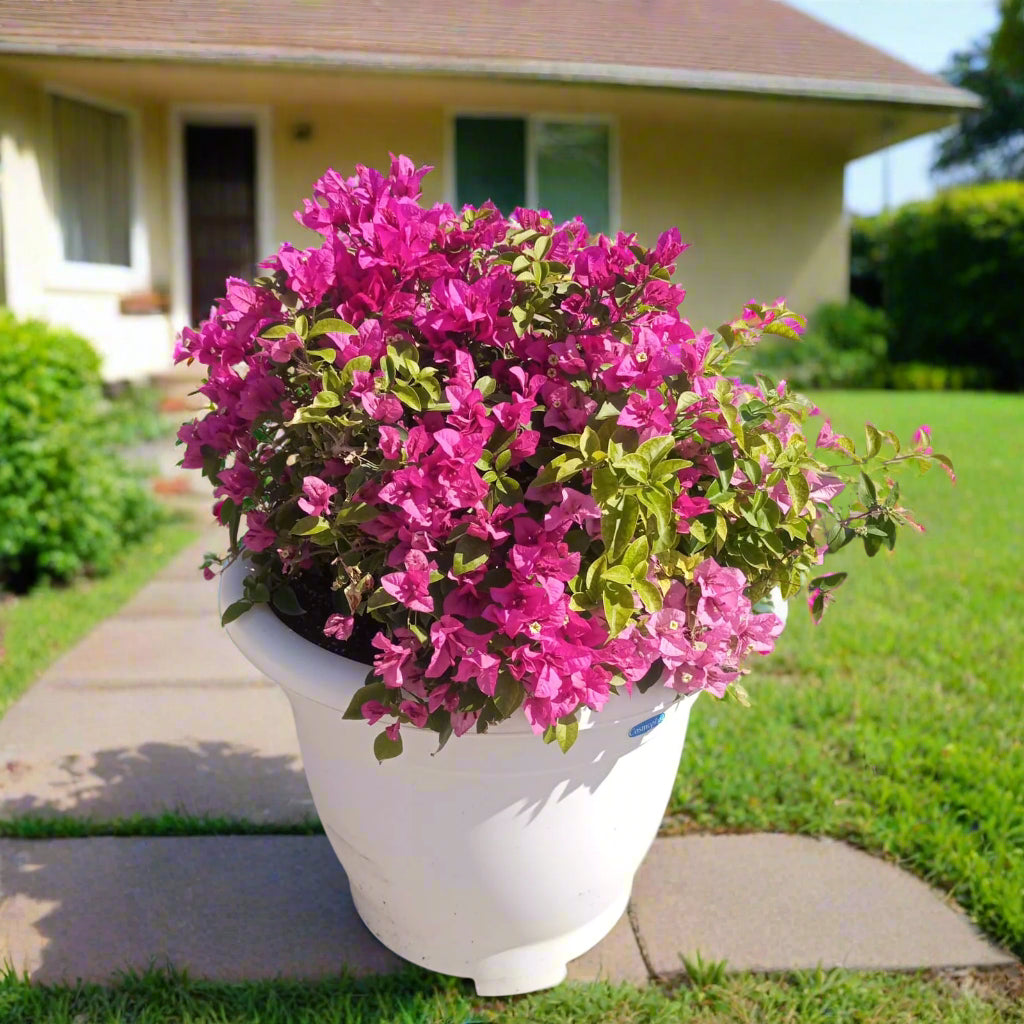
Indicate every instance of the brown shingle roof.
{"type": "Point", "coordinates": [726, 45]}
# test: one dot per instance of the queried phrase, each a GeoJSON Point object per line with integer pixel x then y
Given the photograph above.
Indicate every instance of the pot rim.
{"type": "Point", "coordinates": [301, 667]}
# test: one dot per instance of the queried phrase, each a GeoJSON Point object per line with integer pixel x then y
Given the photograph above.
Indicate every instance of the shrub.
{"type": "Point", "coordinates": [845, 346]}
{"type": "Point", "coordinates": [495, 461]}
{"type": "Point", "coordinates": [67, 504]}
{"type": "Point", "coordinates": [947, 268]}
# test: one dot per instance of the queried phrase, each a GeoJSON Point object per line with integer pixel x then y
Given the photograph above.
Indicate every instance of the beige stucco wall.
{"type": "Point", "coordinates": [38, 282]}
{"type": "Point", "coordinates": [765, 218]}
{"type": "Point", "coordinates": [763, 223]}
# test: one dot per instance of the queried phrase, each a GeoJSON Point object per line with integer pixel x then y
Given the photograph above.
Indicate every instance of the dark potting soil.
{"type": "Point", "coordinates": [314, 594]}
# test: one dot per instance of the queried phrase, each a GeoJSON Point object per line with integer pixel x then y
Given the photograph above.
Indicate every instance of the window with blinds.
{"type": "Point", "coordinates": [94, 182]}
{"type": "Point", "coordinates": [559, 166]}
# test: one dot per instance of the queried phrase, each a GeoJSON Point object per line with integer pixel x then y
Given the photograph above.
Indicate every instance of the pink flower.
{"type": "Point", "coordinates": [373, 711]}
{"type": "Point", "coordinates": [339, 626]}
{"type": "Point", "coordinates": [688, 508]}
{"type": "Point", "coordinates": [395, 664]}
{"type": "Point", "coordinates": [411, 587]}
{"type": "Point", "coordinates": [415, 711]}
{"type": "Point", "coordinates": [258, 536]}
{"type": "Point", "coordinates": [317, 496]}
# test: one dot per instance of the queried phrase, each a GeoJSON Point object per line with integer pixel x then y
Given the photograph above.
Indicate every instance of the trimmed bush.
{"type": "Point", "coordinates": [68, 505]}
{"type": "Point", "coordinates": [948, 268]}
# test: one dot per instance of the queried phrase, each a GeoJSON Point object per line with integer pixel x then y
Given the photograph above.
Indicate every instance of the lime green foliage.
{"type": "Point", "coordinates": [944, 265]}
{"type": "Point", "coordinates": [35, 629]}
{"type": "Point", "coordinates": [899, 723]}
{"type": "Point", "coordinates": [67, 505]}
{"type": "Point", "coordinates": [846, 345]}
{"type": "Point", "coordinates": [810, 997]}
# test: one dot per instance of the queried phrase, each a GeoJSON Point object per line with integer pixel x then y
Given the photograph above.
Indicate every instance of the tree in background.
{"type": "Point", "coordinates": [988, 144]}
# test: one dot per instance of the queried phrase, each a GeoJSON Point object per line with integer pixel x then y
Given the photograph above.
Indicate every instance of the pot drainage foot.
{"type": "Point", "coordinates": [513, 979]}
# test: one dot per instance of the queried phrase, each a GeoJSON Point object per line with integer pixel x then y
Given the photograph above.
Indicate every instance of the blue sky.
{"type": "Point", "coordinates": [923, 33]}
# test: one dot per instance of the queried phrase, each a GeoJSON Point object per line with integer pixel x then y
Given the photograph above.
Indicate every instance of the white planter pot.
{"type": "Point", "coordinates": [500, 858]}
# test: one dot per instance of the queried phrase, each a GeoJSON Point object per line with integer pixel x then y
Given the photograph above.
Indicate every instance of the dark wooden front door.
{"type": "Point", "coordinates": [220, 175]}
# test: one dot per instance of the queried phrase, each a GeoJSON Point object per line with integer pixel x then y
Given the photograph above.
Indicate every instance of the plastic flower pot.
{"type": "Point", "coordinates": [497, 858]}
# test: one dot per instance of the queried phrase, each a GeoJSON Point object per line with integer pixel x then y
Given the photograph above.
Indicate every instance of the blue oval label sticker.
{"type": "Point", "coordinates": [645, 727]}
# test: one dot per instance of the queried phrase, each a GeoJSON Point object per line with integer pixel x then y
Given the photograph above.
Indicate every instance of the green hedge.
{"type": "Point", "coordinates": [68, 504]}
{"type": "Point", "coordinates": [950, 269]}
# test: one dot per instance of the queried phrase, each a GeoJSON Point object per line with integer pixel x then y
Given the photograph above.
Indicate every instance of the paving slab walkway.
{"type": "Point", "coordinates": [156, 711]}
{"type": "Point", "coordinates": [236, 907]}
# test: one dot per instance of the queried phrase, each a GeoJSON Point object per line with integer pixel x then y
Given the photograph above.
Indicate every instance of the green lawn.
{"type": "Point", "coordinates": [812, 997]}
{"type": "Point", "coordinates": [898, 723]}
{"type": "Point", "coordinates": [35, 629]}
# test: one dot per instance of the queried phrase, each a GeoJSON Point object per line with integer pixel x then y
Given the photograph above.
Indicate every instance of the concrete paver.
{"type": "Point", "coordinates": [165, 650]}
{"type": "Point", "coordinates": [228, 908]}
{"type": "Point", "coordinates": [103, 754]}
{"type": "Point", "coordinates": [188, 598]}
{"type": "Point", "coordinates": [777, 902]}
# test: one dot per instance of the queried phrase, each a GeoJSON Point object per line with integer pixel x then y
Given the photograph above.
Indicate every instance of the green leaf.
{"type": "Point", "coordinates": [649, 594]}
{"type": "Point", "coordinates": [470, 553]}
{"type": "Point", "coordinates": [566, 731]}
{"type": "Point", "coordinates": [618, 574]}
{"type": "Point", "coordinates": [508, 694]}
{"type": "Point", "coordinates": [828, 582]}
{"type": "Point", "coordinates": [327, 354]}
{"type": "Point", "coordinates": [604, 485]}
{"type": "Point", "coordinates": [233, 611]}
{"type": "Point", "coordinates": [780, 329]}
{"type": "Point", "coordinates": [568, 468]}
{"type": "Point", "coordinates": [873, 439]}
{"type": "Point", "coordinates": [652, 676]}
{"type": "Point", "coordinates": [485, 385]}
{"type": "Point", "coordinates": [384, 747]}
{"type": "Point", "coordinates": [618, 526]}
{"type": "Point", "coordinates": [407, 395]}
{"type": "Point", "coordinates": [569, 441]}
{"type": "Point", "coordinates": [799, 490]}
{"type": "Point", "coordinates": [278, 331]}
{"type": "Point", "coordinates": [589, 442]}
{"type": "Point", "coordinates": [737, 695]}
{"type": "Point", "coordinates": [636, 466]}
{"type": "Point", "coordinates": [326, 400]}
{"type": "Point", "coordinates": [654, 449]}
{"type": "Point", "coordinates": [357, 512]}
{"type": "Point", "coordinates": [618, 607]}
{"type": "Point", "coordinates": [372, 691]}
{"type": "Point", "coordinates": [380, 598]}
{"type": "Point", "coordinates": [660, 503]}
{"type": "Point", "coordinates": [285, 601]}
{"type": "Point", "coordinates": [669, 467]}
{"type": "Point", "coordinates": [309, 525]}
{"type": "Point", "coordinates": [332, 325]}
{"type": "Point", "coordinates": [637, 553]}
{"type": "Point", "coordinates": [302, 325]}
{"type": "Point", "coordinates": [866, 491]}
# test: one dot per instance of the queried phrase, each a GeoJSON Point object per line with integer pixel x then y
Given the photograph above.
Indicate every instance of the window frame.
{"type": "Point", "coordinates": [78, 275]}
{"type": "Point", "coordinates": [533, 119]}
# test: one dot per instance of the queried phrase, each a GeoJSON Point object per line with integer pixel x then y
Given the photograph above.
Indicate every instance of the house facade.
{"type": "Point", "coordinates": [149, 150]}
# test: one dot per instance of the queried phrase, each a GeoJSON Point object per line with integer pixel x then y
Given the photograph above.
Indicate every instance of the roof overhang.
{"type": "Point", "coordinates": [936, 98]}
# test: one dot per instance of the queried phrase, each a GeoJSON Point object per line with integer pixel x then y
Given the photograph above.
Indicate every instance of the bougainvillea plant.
{"type": "Point", "coordinates": [495, 442]}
